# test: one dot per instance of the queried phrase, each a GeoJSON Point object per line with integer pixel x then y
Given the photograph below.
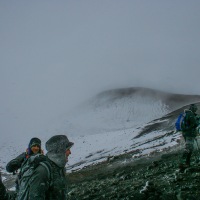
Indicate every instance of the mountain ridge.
{"type": "Point", "coordinates": [123, 108]}
{"type": "Point", "coordinates": [150, 136]}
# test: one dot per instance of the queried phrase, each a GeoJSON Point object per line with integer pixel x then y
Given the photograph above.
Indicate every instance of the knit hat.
{"type": "Point", "coordinates": [34, 141]}
{"type": "Point", "coordinates": [58, 143]}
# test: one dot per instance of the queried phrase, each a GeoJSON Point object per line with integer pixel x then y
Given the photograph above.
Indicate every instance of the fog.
{"type": "Point", "coordinates": [56, 54]}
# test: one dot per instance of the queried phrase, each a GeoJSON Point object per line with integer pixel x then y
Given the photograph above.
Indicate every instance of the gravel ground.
{"type": "Point", "coordinates": [149, 178]}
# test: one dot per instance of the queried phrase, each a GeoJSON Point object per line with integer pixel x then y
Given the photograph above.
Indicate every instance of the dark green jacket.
{"type": "Point", "coordinates": [16, 163]}
{"type": "Point", "coordinates": [41, 187]}
{"type": "Point", "coordinates": [192, 121]}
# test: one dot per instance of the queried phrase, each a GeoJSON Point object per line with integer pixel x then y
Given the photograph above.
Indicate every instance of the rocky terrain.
{"type": "Point", "coordinates": [147, 178]}
{"type": "Point", "coordinates": [138, 163]}
{"type": "Point", "coordinates": [124, 177]}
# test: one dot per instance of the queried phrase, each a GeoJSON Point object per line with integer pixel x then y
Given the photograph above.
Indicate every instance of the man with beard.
{"type": "Point", "coordinates": [44, 178]}
{"type": "Point", "coordinates": [48, 180]}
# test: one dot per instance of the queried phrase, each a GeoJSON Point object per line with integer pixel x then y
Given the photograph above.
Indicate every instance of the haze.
{"type": "Point", "coordinates": [56, 54]}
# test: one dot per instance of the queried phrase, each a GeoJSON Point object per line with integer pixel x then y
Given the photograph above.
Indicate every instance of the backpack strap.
{"type": "Point", "coordinates": [48, 167]}
{"type": "Point", "coordinates": [45, 162]}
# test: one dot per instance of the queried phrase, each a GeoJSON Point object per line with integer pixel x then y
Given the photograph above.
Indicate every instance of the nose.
{"type": "Point", "coordinates": [68, 151]}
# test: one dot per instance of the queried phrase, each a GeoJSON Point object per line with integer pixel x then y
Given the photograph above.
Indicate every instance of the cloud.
{"type": "Point", "coordinates": [56, 55]}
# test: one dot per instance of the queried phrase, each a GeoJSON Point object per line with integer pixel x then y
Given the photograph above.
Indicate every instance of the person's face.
{"type": "Point", "coordinates": [35, 149]}
{"type": "Point", "coordinates": [67, 153]}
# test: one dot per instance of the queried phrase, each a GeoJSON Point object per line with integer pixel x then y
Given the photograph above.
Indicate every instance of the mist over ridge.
{"type": "Point", "coordinates": [114, 122]}
{"type": "Point", "coordinates": [122, 108]}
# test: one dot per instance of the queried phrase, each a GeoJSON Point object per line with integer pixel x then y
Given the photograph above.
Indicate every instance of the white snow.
{"type": "Point", "coordinates": [102, 129]}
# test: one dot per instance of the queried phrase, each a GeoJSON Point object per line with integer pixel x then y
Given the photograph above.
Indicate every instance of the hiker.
{"type": "Point", "coordinates": [189, 134]}
{"type": "Point", "coordinates": [34, 147]}
{"type": "Point", "coordinates": [47, 180]}
{"type": "Point", "coordinates": [6, 195]}
{"type": "Point", "coordinates": [3, 194]}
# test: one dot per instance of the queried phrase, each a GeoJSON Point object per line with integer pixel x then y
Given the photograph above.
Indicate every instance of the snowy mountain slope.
{"type": "Point", "coordinates": [126, 120]}
{"type": "Point", "coordinates": [157, 135]}
{"type": "Point", "coordinates": [121, 109]}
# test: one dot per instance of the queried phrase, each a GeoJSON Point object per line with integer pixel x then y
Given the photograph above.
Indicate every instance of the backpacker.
{"type": "Point", "coordinates": [181, 122]}
{"type": "Point", "coordinates": [27, 170]}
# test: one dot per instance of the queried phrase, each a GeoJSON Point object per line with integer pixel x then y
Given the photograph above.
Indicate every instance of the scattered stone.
{"type": "Point", "coordinates": [158, 178]}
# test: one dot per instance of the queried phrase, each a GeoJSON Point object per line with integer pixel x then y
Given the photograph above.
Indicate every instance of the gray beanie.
{"type": "Point", "coordinates": [58, 143]}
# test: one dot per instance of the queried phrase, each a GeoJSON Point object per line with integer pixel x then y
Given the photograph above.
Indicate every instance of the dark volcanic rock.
{"type": "Point", "coordinates": [145, 179]}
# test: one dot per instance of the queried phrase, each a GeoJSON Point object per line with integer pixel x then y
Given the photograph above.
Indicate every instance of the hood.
{"type": "Point", "coordinates": [56, 147]}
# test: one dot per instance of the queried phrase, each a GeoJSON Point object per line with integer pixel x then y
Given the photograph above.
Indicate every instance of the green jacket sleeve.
{"type": "Point", "coordinates": [39, 184]}
{"type": "Point", "coordinates": [16, 163]}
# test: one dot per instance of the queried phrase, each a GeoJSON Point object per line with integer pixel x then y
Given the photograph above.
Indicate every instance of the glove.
{"type": "Point", "coordinates": [13, 166]}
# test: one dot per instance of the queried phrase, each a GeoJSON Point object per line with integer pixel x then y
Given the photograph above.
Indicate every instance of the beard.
{"type": "Point", "coordinates": [59, 159]}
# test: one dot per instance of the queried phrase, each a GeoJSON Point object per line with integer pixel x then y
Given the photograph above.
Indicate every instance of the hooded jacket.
{"type": "Point", "coordinates": [192, 122]}
{"type": "Point", "coordinates": [41, 187]}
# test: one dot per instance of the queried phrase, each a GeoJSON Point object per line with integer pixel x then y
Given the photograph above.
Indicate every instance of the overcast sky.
{"type": "Point", "coordinates": [55, 54]}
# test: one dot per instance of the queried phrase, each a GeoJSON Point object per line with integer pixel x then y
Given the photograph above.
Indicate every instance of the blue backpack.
{"type": "Point", "coordinates": [181, 123]}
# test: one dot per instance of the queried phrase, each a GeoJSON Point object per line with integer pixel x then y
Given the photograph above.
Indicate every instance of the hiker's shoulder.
{"type": "Point", "coordinates": [42, 168]}
{"type": "Point", "coordinates": [189, 113]}
{"type": "Point", "coordinates": [36, 160]}
{"type": "Point", "coordinates": [41, 163]}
